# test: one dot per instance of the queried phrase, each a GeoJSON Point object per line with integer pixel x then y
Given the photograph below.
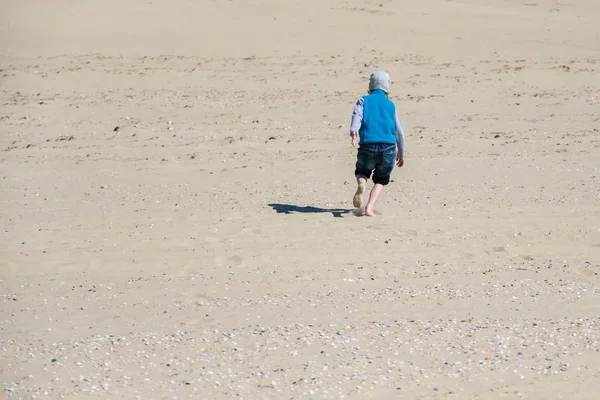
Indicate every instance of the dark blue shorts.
{"type": "Point", "coordinates": [377, 158]}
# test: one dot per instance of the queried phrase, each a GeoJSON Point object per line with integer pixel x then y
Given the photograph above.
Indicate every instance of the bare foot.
{"type": "Point", "coordinates": [369, 211]}
{"type": "Point", "coordinates": [358, 196]}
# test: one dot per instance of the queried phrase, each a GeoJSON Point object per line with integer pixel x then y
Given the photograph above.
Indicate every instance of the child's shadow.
{"type": "Point", "coordinates": [336, 212]}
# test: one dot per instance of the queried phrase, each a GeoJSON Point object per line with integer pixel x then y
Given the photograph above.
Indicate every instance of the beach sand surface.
{"type": "Point", "coordinates": [176, 201]}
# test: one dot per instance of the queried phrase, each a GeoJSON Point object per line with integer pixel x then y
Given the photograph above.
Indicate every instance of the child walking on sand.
{"type": "Point", "coordinates": [381, 144]}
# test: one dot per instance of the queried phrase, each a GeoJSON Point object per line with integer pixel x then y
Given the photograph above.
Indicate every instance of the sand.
{"type": "Point", "coordinates": [176, 206]}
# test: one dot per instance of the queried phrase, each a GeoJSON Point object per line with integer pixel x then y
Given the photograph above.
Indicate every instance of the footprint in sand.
{"type": "Point", "coordinates": [584, 272]}
{"type": "Point", "coordinates": [467, 256]}
{"type": "Point", "coordinates": [408, 232]}
{"type": "Point", "coordinates": [236, 261]}
{"type": "Point", "coordinates": [212, 239]}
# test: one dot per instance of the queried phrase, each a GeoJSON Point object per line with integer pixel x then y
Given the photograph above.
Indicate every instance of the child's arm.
{"type": "Point", "coordinates": [399, 140]}
{"type": "Point", "coordinates": [357, 115]}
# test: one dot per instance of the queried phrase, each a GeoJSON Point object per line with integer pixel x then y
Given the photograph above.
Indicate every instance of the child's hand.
{"type": "Point", "coordinates": [399, 161]}
{"type": "Point", "coordinates": [354, 137]}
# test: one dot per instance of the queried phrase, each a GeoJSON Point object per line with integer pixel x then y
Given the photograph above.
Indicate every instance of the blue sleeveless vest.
{"type": "Point", "coordinates": [378, 124]}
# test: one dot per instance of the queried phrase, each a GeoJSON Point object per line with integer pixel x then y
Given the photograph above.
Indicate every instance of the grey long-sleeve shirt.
{"type": "Point", "coordinates": [357, 114]}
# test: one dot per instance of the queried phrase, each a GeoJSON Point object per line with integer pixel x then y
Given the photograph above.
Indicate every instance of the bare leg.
{"type": "Point", "coordinates": [375, 193]}
{"type": "Point", "coordinates": [361, 180]}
